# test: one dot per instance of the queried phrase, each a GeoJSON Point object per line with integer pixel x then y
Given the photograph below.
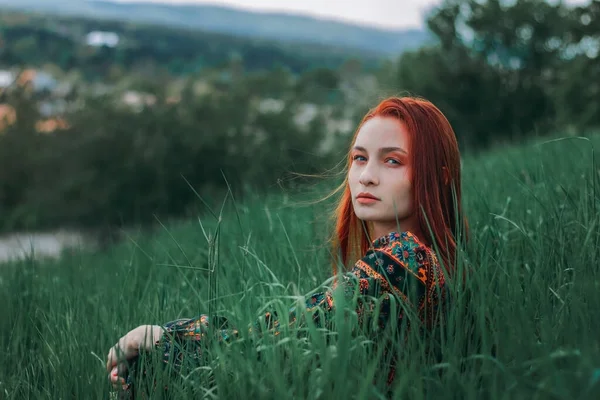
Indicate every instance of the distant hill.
{"type": "Point", "coordinates": [283, 27]}
{"type": "Point", "coordinates": [37, 38]}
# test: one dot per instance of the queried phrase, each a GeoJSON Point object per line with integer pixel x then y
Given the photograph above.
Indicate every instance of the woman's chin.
{"type": "Point", "coordinates": [365, 215]}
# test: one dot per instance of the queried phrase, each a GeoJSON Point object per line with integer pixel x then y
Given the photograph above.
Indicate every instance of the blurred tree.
{"type": "Point", "coordinates": [578, 92]}
{"type": "Point", "coordinates": [19, 161]}
{"type": "Point", "coordinates": [319, 85]}
{"type": "Point", "coordinates": [497, 68]}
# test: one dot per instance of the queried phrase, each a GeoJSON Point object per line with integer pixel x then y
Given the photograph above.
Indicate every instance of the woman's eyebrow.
{"type": "Point", "coordinates": [382, 150]}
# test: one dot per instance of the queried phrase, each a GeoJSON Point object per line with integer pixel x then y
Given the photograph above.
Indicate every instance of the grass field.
{"type": "Point", "coordinates": [534, 294]}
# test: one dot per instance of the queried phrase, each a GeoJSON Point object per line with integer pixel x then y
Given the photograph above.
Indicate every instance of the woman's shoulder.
{"type": "Point", "coordinates": [407, 251]}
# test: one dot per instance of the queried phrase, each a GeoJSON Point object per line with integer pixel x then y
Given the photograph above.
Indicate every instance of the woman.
{"type": "Point", "coordinates": [403, 190]}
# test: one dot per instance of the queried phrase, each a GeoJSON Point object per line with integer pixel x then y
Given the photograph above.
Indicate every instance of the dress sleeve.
{"type": "Point", "coordinates": [413, 277]}
{"type": "Point", "coordinates": [410, 277]}
{"type": "Point", "coordinates": [183, 339]}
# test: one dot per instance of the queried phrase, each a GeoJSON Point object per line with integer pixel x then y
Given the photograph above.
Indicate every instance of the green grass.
{"type": "Point", "coordinates": [533, 296]}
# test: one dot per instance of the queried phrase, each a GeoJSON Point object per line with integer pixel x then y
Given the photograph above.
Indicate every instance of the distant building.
{"type": "Point", "coordinates": [37, 80]}
{"type": "Point", "coordinates": [137, 100]}
{"type": "Point", "coordinates": [99, 39]}
{"type": "Point", "coordinates": [6, 79]}
{"type": "Point", "coordinates": [51, 125]}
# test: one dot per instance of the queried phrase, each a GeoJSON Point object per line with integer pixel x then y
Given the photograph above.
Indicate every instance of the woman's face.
{"type": "Point", "coordinates": [380, 176]}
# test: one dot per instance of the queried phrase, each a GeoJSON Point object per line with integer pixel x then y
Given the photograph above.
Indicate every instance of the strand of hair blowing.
{"type": "Point", "coordinates": [435, 159]}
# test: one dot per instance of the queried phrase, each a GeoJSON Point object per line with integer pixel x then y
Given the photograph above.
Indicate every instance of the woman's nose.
{"type": "Point", "coordinates": [368, 176]}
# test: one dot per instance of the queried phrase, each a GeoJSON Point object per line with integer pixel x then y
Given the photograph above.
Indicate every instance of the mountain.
{"type": "Point", "coordinates": [277, 26]}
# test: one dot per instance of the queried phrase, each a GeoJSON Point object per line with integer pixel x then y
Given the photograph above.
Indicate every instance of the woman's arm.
{"type": "Point", "coordinates": [377, 274]}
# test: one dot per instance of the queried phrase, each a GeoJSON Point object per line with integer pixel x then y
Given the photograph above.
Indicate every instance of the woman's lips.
{"type": "Point", "coordinates": [366, 198]}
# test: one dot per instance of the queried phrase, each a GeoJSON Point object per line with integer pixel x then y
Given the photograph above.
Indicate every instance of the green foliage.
{"type": "Point", "coordinates": [117, 166]}
{"type": "Point", "coordinates": [521, 326]}
{"type": "Point", "coordinates": [503, 70]}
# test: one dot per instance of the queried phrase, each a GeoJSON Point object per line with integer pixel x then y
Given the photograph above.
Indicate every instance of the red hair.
{"type": "Point", "coordinates": [435, 161]}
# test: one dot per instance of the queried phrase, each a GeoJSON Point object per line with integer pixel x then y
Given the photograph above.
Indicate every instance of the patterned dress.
{"type": "Point", "coordinates": [398, 265]}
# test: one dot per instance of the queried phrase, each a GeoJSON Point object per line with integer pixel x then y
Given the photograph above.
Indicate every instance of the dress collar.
{"type": "Point", "coordinates": [390, 238]}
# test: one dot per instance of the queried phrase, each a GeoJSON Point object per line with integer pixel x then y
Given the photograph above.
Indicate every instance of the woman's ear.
{"type": "Point", "coordinates": [446, 175]}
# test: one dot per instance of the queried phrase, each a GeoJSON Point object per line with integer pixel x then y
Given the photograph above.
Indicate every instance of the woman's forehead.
{"type": "Point", "coordinates": [382, 132]}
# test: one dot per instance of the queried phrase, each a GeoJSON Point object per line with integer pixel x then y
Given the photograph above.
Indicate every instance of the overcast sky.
{"type": "Point", "coordinates": [382, 13]}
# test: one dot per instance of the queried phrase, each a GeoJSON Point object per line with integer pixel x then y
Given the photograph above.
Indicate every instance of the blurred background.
{"type": "Point", "coordinates": [114, 115]}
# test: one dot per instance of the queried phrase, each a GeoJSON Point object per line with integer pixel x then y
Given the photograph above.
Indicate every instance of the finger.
{"type": "Point", "coordinates": [113, 357]}
{"type": "Point", "coordinates": [117, 353]}
{"type": "Point", "coordinates": [110, 361]}
{"type": "Point", "coordinates": [114, 375]}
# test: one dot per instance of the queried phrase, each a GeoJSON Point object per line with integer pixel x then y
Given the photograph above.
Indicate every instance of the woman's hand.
{"type": "Point", "coordinates": [128, 347]}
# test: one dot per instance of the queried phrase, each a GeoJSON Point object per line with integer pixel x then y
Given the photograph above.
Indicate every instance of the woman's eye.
{"type": "Point", "coordinates": [359, 158]}
{"type": "Point", "coordinates": [392, 161]}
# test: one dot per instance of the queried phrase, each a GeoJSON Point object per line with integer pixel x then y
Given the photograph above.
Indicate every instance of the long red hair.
{"type": "Point", "coordinates": [435, 161]}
